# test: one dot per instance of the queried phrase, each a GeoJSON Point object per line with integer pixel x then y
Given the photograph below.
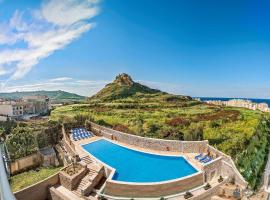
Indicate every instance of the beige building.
{"type": "Point", "coordinates": [39, 104]}
{"type": "Point", "coordinates": [242, 104]}
{"type": "Point", "coordinates": [11, 109]}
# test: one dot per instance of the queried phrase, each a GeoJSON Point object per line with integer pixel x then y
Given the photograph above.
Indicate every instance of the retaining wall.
{"type": "Point", "coordinates": [151, 143]}
{"type": "Point", "coordinates": [212, 169]}
{"type": "Point", "coordinates": [38, 191]}
{"type": "Point", "coordinates": [25, 163]}
{"type": "Point", "coordinates": [228, 167]}
{"type": "Point", "coordinates": [115, 188]}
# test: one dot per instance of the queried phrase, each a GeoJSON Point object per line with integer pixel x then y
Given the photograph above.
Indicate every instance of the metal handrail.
{"type": "Point", "coordinates": [5, 191]}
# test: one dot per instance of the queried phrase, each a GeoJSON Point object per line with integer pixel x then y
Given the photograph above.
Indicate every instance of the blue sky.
{"type": "Point", "coordinates": [192, 47]}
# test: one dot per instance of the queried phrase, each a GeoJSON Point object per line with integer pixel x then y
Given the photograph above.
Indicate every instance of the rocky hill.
{"type": "Point", "coordinates": [124, 87]}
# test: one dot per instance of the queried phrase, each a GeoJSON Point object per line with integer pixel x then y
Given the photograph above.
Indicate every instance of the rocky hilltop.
{"type": "Point", "coordinates": [123, 87]}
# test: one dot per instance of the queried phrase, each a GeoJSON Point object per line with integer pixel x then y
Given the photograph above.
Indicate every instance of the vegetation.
{"type": "Point", "coordinates": [27, 137]}
{"type": "Point", "coordinates": [129, 107]}
{"type": "Point", "coordinates": [55, 96]}
{"type": "Point", "coordinates": [21, 142]}
{"type": "Point", "coordinates": [28, 178]}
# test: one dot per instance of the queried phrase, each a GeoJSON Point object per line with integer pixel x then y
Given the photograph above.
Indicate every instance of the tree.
{"type": "Point", "coordinates": [22, 142]}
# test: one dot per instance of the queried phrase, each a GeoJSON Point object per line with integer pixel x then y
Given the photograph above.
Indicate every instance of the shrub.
{"type": "Point", "coordinates": [22, 142]}
{"type": "Point", "coordinates": [178, 121]}
{"type": "Point", "coordinates": [194, 134]}
{"type": "Point", "coordinates": [121, 128]}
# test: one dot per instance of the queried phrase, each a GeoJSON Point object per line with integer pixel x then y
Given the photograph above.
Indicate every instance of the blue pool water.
{"type": "Point", "coordinates": [136, 166]}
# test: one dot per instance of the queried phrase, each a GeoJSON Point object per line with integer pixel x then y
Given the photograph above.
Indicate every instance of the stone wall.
{"type": "Point", "coordinates": [208, 194]}
{"type": "Point", "coordinates": [38, 191]}
{"type": "Point", "coordinates": [71, 182]}
{"type": "Point", "coordinates": [25, 163]}
{"type": "Point", "coordinates": [212, 169]}
{"type": "Point", "coordinates": [151, 143]}
{"type": "Point", "coordinates": [228, 167]}
{"type": "Point", "coordinates": [114, 188]}
{"type": "Point", "coordinates": [56, 195]}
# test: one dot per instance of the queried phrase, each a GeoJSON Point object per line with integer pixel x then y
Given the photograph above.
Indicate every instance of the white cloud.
{"type": "Point", "coordinates": [70, 12]}
{"type": "Point", "coordinates": [60, 79]}
{"type": "Point", "coordinates": [82, 87]}
{"type": "Point", "coordinates": [56, 24]}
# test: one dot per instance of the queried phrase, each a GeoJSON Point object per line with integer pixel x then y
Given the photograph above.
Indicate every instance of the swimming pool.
{"type": "Point", "coordinates": [137, 166]}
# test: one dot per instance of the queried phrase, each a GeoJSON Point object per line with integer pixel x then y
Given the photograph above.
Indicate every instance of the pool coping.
{"type": "Point", "coordinates": [113, 170]}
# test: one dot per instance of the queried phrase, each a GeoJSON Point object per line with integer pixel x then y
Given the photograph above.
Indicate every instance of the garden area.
{"type": "Point", "coordinates": [31, 177]}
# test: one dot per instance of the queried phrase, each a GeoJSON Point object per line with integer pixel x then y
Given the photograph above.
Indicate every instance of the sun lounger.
{"type": "Point", "coordinates": [207, 160]}
{"type": "Point", "coordinates": [202, 159]}
{"type": "Point", "coordinates": [199, 156]}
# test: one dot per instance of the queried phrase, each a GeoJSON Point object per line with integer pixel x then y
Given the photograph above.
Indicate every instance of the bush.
{"type": "Point", "coordinates": [194, 134]}
{"type": "Point", "coordinates": [178, 121]}
{"type": "Point", "coordinates": [21, 143]}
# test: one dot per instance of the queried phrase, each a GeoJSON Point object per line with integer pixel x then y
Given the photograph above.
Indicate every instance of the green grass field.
{"type": "Point", "coordinates": [31, 177]}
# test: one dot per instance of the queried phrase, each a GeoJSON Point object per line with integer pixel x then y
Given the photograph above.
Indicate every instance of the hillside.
{"type": "Point", "coordinates": [55, 96]}
{"type": "Point", "coordinates": [124, 87]}
{"type": "Point", "coordinates": [136, 109]}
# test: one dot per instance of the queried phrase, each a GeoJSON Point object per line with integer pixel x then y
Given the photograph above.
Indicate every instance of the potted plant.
{"type": "Point", "coordinates": [188, 195]}
{"type": "Point", "coordinates": [207, 186]}
{"type": "Point", "coordinates": [220, 179]}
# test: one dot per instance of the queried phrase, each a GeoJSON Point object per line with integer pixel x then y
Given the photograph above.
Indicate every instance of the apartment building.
{"type": "Point", "coordinates": [39, 104]}
{"type": "Point", "coordinates": [12, 109]}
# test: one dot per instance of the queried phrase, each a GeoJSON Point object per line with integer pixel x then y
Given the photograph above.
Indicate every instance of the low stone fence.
{"type": "Point", "coordinates": [151, 143]}
{"type": "Point", "coordinates": [228, 167]}
{"type": "Point", "coordinates": [117, 188]}
{"type": "Point", "coordinates": [212, 169]}
{"type": "Point", "coordinates": [70, 147]}
{"type": "Point", "coordinates": [38, 191]}
{"type": "Point", "coordinates": [28, 162]}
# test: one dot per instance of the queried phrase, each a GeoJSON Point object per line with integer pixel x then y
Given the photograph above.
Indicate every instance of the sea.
{"type": "Point", "coordinates": [227, 99]}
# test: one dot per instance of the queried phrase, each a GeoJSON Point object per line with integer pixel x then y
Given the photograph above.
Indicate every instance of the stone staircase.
{"type": "Point", "coordinates": [87, 160]}
{"type": "Point", "coordinates": [90, 180]}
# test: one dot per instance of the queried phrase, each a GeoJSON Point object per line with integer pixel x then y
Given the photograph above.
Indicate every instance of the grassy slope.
{"type": "Point", "coordinates": [28, 178]}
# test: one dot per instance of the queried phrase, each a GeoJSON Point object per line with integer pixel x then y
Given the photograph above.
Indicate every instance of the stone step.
{"type": "Point", "coordinates": [87, 159]}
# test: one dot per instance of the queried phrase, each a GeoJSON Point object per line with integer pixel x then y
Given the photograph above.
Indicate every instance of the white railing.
{"type": "Point", "coordinates": [5, 191]}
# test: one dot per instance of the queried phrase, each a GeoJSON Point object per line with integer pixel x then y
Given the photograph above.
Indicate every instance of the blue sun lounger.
{"type": "Point", "coordinates": [199, 156]}
{"type": "Point", "coordinates": [207, 160]}
{"type": "Point", "coordinates": [205, 157]}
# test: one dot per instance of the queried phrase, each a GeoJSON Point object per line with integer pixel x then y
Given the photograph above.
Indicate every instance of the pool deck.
{"type": "Point", "coordinates": [188, 156]}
